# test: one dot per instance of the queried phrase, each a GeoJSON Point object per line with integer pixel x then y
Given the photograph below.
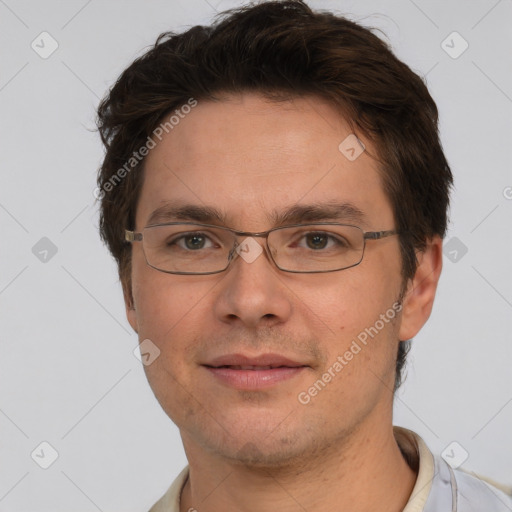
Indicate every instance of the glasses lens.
{"type": "Point", "coordinates": [187, 248]}
{"type": "Point", "coordinates": [198, 249]}
{"type": "Point", "coordinates": [316, 248]}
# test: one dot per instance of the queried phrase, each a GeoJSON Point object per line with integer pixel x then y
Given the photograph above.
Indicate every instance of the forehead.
{"type": "Point", "coordinates": [249, 157]}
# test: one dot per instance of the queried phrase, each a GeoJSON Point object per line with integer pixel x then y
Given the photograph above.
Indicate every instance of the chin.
{"type": "Point", "coordinates": [262, 449]}
{"type": "Point", "coordinates": [254, 455]}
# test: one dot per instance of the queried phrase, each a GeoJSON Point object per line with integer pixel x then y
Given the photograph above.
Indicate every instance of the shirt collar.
{"type": "Point", "coordinates": [420, 459]}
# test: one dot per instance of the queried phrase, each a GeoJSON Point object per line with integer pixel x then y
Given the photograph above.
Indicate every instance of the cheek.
{"type": "Point", "coordinates": [356, 318]}
{"type": "Point", "coordinates": [348, 301]}
{"type": "Point", "coordinates": [166, 309]}
{"type": "Point", "coordinates": [168, 313]}
{"type": "Point", "coordinates": [360, 347]}
{"type": "Point", "coordinates": [172, 311]}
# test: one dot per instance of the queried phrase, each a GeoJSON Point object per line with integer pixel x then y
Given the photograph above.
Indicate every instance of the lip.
{"type": "Point", "coordinates": [260, 360]}
{"type": "Point", "coordinates": [253, 373]}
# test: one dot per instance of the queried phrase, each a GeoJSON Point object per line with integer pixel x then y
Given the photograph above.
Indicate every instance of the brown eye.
{"type": "Point", "coordinates": [317, 240]}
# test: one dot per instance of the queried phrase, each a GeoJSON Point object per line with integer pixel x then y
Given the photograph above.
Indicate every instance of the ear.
{"type": "Point", "coordinates": [421, 289]}
{"type": "Point", "coordinates": [131, 313]}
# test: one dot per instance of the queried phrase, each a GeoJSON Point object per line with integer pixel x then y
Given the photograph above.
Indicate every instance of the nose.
{"type": "Point", "coordinates": [252, 292]}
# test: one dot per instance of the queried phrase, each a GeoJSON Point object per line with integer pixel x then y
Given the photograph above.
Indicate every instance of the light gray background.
{"type": "Point", "coordinates": [68, 374]}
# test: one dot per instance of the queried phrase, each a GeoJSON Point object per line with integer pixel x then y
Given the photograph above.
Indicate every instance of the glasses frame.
{"type": "Point", "coordinates": [138, 236]}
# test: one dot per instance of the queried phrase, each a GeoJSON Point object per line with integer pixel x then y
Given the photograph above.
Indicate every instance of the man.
{"type": "Point", "coordinates": [275, 194]}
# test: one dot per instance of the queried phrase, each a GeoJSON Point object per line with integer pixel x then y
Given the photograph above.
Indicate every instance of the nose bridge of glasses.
{"type": "Point", "coordinates": [244, 242]}
{"type": "Point", "coordinates": [237, 235]}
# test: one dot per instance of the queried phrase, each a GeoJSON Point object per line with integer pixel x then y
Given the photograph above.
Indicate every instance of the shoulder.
{"type": "Point", "coordinates": [473, 493]}
{"type": "Point", "coordinates": [457, 490]}
{"type": "Point", "coordinates": [442, 488]}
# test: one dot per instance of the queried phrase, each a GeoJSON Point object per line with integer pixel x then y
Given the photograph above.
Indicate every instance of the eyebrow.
{"type": "Point", "coordinates": [318, 212]}
{"type": "Point", "coordinates": [170, 212]}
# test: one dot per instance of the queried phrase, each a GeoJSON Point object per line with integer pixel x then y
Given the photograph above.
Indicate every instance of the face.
{"type": "Point", "coordinates": [253, 161]}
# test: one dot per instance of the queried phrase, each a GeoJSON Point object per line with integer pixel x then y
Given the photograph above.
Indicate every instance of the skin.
{"type": "Point", "coordinates": [257, 450]}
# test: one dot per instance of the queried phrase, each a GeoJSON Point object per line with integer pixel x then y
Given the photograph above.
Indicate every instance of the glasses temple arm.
{"type": "Point", "coordinates": [132, 236]}
{"type": "Point", "coordinates": [376, 235]}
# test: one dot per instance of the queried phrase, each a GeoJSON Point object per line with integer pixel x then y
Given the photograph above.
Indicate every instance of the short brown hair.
{"type": "Point", "coordinates": [281, 49]}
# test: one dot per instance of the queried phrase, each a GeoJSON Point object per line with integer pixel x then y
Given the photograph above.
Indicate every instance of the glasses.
{"type": "Point", "coordinates": [188, 248]}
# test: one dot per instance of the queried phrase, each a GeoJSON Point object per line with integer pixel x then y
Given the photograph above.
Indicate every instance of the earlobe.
{"type": "Point", "coordinates": [421, 290]}
{"type": "Point", "coordinates": [131, 313]}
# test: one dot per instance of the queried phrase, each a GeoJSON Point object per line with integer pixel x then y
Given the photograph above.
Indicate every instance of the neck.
{"type": "Point", "coordinates": [364, 471]}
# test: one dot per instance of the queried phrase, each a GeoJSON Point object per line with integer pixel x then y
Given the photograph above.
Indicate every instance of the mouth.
{"type": "Point", "coordinates": [253, 373]}
{"type": "Point", "coordinates": [256, 368]}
